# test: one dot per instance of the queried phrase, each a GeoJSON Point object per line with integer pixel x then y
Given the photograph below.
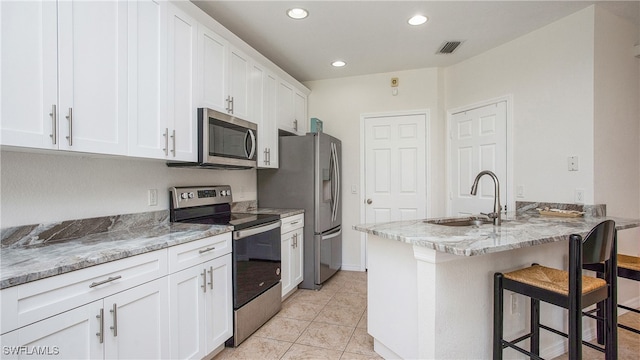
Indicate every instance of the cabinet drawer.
{"type": "Point", "coordinates": [37, 300]}
{"type": "Point", "coordinates": [292, 222]}
{"type": "Point", "coordinates": [197, 252]}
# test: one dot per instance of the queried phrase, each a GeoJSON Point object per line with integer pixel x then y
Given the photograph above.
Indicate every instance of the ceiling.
{"type": "Point", "coordinates": [374, 37]}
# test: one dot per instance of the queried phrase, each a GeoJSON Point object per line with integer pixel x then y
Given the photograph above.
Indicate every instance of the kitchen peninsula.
{"type": "Point", "coordinates": [430, 285]}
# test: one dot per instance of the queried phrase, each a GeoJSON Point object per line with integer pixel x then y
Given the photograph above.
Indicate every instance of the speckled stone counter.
{"type": "Point", "coordinates": [250, 207]}
{"type": "Point", "coordinates": [34, 252]}
{"type": "Point", "coordinates": [517, 231]}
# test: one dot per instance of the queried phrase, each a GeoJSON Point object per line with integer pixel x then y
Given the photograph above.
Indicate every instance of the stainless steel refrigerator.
{"type": "Point", "coordinates": [309, 178]}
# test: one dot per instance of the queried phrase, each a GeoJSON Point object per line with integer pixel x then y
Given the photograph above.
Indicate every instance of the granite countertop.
{"type": "Point", "coordinates": [517, 231]}
{"type": "Point", "coordinates": [34, 252]}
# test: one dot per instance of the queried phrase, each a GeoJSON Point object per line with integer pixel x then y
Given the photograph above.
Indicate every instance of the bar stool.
{"type": "Point", "coordinates": [568, 289]}
{"type": "Point", "coordinates": [628, 268]}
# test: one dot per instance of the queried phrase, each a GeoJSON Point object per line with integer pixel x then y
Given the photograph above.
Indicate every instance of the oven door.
{"type": "Point", "coordinates": [256, 261]}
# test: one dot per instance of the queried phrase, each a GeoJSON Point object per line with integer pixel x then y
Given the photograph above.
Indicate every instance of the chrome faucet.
{"type": "Point", "coordinates": [495, 215]}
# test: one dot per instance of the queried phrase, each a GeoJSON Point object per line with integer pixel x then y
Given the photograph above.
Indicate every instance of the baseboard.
{"type": "Point", "coordinates": [352, 268]}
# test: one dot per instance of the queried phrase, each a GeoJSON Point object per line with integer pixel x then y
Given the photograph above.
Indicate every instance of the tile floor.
{"type": "Point", "coordinates": [332, 324]}
{"type": "Point", "coordinates": [327, 324]}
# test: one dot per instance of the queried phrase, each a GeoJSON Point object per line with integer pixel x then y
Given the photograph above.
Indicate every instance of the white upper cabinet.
{"type": "Point", "coordinates": [64, 75]}
{"type": "Point", "coordinates": [239, 83]}
{"type": "Point", "coordinates": [212, 69]}
{"type": "Point", "coordinates": [29, 74]}
{"type": "Point", "coordinates": [148, 128]}
{"type": "Point", "coordinates": [264, 88]}
{"type": "Point", "coordinates": [292, 109]}
{"type": "Point", "coordinates": [182, 109]}
{"type": "Point", "coordinates": [92, 54]}
{"type": "Point", "coordinates": [224, 73]}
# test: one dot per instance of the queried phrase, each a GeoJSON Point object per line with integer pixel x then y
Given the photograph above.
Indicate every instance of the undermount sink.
{"type": "Point", "coordinates": [470, 221]}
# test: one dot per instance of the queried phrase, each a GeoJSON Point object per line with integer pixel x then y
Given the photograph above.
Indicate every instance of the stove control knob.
{"type": "Point", "coordinates": [277, 271]}
{"type": "Point", "coordinates": [191, 195]}
{"type": "Point", "coordinates": [184, 196]}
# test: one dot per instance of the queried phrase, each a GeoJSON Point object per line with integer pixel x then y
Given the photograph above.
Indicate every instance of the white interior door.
{"type": "Point", "coordinates": [478, 141]}
{"type": "Point", "coordinates": [395, 167]}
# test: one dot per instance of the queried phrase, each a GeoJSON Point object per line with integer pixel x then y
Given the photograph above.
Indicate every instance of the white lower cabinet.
{"type": "Point", "coordinates": [201, 308]}
{"type": "Point", "coordinates": [292, 253]}
{"type": "Point", "coordinates": [128, 325]}
{"type": "Point", "coordinates": [166, 304]}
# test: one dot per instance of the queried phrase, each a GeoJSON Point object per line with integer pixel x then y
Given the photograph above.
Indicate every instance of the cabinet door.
{"type": "Point", "coordinates": [137, 322]}
{"type": "Point", "coordinates": [300, 112]}
{"type": "Point", "coordinates": [239, 77]}
{"type": "Point", "coordinates": [187, 298]}
{"type": "Point", "coordinates": [285, 110]}
{"type": "Point", "coordinates": [268, 130]}
{"type": "Point", "coordinates": [92, 45]}
{"type": "Point", "coordinates": [286, 253]}
{"type": "Point", "coordinates": [297, 258]}
{"type": "Point", "coordinates": [148, 130]}
{"type": "Point", "coordinates": [29, 73]}
{"type": "Point", "coordinates": [219, 311]}
{"type": "Point", "coordinates": [212, 69]}
{"type": "Point", "coordinates": [182, 111]}
{"type": "Point", "coordinates": [74, 334]}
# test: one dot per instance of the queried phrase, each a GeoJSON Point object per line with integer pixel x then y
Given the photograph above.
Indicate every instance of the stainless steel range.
{"type": "Point", "coordinates": [256, 252]}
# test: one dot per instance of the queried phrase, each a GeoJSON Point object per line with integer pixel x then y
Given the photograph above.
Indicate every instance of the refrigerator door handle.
{"type": "Point", "coordinates": [335, 182]}
{"type": "Point", "coordinates": [337, 164]}
{"type": "Point", "coordinates": [332, 235]}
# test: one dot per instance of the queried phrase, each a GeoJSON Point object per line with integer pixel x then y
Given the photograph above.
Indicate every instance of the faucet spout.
{"type": "Point", "coordinates": [497, 208]}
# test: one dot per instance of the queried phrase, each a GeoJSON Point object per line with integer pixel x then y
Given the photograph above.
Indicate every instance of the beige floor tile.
{"type": "Point", "coordinates": [282, 328]}
{"type": "Point", "coordinates": [301, 310]}
{"type": "Point", "coordinates": [298, 351]}
{"type": "Point", "coordinates": [362, 324]}
{"type": "Point", "coordinates": [349, 299]}
{"type": "Point", "coordinates": [355, 286]}
{"type": "Point", "coordinates": [313, 296]}
{"type": "Point", "coordinates": [361, 343]}
{"type": "Point", "coordinates": [353, 356]}
{"type": "Point", "coordinates": [326, 336]}
{"type": "Point", "coordinates": [340, 315]}
{"type": "Point", "coordinates": [256, 348]}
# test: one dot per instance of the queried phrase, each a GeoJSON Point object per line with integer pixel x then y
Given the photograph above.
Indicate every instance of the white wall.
{"type": "Point", "coordinates": [46, 187]}
{"type": "Point", "coordinates": [549, 72]}
{"type": "Point", "coordinates": [339, 104]}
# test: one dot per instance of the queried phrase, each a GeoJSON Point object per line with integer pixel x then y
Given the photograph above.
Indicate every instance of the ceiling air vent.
{"type": "Point", "coordinates": [449, 47]}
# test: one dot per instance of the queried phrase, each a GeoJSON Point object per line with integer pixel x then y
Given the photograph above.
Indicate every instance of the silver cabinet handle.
{"type": "Point", "coordinates": [110, 279]}
{"type": "Point", "coordinates": [100, 333]}
{"type": "Point", "coordinates": [232, 105]}
{"type": "Point", "coordinates": [114, 311]}
{"type": "Point", "coordinates": [211, 277]}
{"type": "Point", "coordinates": [166, 142]}
{"type": "Point", "coordinates": [295, 124]}
{"type": "Point", "coordinates": [207, 250]}
{"type": "Point", "coordinates": [54, 125]}
{"type": "Point", "coordinates": [173, 138]}
{"type": "Point", "coordinates": [204, 280]}
{"type": "Point", "coordinates": [70, 118]}
{"type": "Point", "coordinates": [228, 108]}
{"type": "Point", "coordinates": [266, 162]}
{"type": "Point", "coordinates": [269, 156]}
{"type": "Point", "coordinates": [293, 241]}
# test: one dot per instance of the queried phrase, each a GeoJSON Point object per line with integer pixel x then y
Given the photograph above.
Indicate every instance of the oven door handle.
{"type": "Point", "coordinates": [241, 234]}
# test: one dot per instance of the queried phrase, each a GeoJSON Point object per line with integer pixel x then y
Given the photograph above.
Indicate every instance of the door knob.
{"type": "Point", "coordinates": [369, 201]}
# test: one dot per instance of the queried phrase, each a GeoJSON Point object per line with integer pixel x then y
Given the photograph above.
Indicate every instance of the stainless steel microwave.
{"type": "Point", "coordinates": [224, 142]}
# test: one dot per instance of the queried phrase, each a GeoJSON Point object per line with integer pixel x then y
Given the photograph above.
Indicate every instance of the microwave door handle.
{"type": "Point", "coordinates": [250, 152]}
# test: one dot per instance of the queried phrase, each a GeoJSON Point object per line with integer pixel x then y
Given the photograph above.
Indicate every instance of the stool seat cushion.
{"type": "Point", "coordinates": [552, 279]}
{"type": "Point", "coordinates": [629, 262]}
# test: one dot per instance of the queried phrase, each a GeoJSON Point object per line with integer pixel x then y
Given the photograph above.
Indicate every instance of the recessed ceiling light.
{"type": "Point", "coordinates": [417, 20]}
{"type": "Point", "coordinates": [297, 13]}
{"type": "Point", "coordinates": [338, 63]}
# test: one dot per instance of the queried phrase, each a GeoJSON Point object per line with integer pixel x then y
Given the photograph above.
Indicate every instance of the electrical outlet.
{"type": "Point", "coordinates": [515, 308]}
{"type": "Point", "coordinates": [520, 191]}
{"type": "Point", "coordinates": [579, 196]}
{"type": "Point", "coordinates": [573, 163]}
{"type": "Point", "coordinates": [152, 197]}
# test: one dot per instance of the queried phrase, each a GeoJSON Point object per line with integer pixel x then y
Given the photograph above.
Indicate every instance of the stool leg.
{"type": "Point", "coordinates": [498, 306]}
{"type": "Point", "coordinates": [535, 326]}
{"type": "Point", "coordinates": [575, 297]}
{"type": "Point", "coordinates": [600, 324]}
